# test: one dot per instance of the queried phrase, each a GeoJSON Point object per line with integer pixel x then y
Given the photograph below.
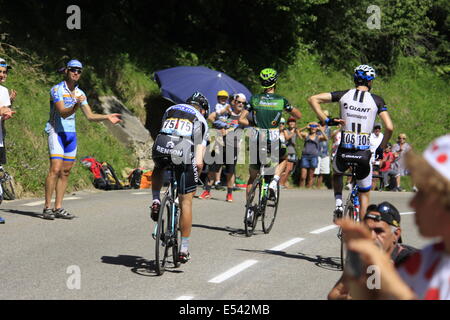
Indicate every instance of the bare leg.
{"type": "Point", "coordinates": [252, 176]}
{"type": "Point", "coordinates": [52, 179]}
{"type": "Point", "coordinates": [63, 180]}
{"type": "Point", "coordinates": [157, 179]}
{"type": "Point", "coordinates": [364, 198]}
{"type": "Point", "coordinates": [230, 180]}
{"type": "Point", "coordinates": [310, 177]}
{"type": "Point", "coordinates": [186, 214]}
{"type": "Point", "coordinates": [303, 174]}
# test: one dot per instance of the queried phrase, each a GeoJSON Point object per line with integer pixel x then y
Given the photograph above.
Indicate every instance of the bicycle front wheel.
{"type": "Point", "coordinates": [270, 209]}
{"type": "Point", "coordinates": [252, 208]}
{"type": "Point", "coordinates": [162, 236]}
{"type": "Point", "coordinates": [8, 188]}
{"type": "Point", "coordinates": [177, 243]}
{"type": "Point", "coordinates": [348, 214]}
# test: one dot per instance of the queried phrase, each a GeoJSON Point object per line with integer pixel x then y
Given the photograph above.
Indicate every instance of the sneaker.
{"type": "Point", "coordinates": [154, 210]}
{"type": "Point", "coordinates": [205, 195]}
{"type": "Point", "coordinates": [229, 197]}
{"type": "Point", "coordinates": [2, 221]}
{"type": "Point", "coordinates": [63, 214]}
{"type": "Point", "coordinates": [184, 257]}
{"type": "Point", "coordinates": [337, 214]}
{"type": "Point", "coordinates": [273, 190]}
{"type": "Point", "coordinates": [48, 214]}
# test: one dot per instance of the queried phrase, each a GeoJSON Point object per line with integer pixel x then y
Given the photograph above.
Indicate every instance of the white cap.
{"type": "Point", "coordinates": [240, 95]}
{"type": "Point", "coordinates": [438, 155]}
{"type": "Point", "coordinates": [282, 120]}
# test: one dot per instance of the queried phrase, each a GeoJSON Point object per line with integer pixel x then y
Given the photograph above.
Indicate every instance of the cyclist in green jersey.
{"type": "Point", "coordinates": [264, 113]}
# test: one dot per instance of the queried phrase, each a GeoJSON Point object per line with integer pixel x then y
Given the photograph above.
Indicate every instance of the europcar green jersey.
{"type": "Point", "coordinates": [266, 109]}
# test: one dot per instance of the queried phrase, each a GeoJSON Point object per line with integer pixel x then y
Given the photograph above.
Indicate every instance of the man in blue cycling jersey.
{"type": "Point", "coordinates": [65, 99]}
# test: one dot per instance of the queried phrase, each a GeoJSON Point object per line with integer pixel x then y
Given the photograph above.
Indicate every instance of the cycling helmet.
{"type": "Point", "coordinates": [364, 73]}
{"type": "Point", "coordinates": [268, 77]}
{"type": "Point", "coordinates": [200, 100]}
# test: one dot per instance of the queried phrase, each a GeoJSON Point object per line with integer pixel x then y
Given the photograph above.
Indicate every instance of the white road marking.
{"type": "Point", "coordinates": [327, 228]}
{"type": "Point", "coordinates": [37, 203]}
{"type": "Point", "coordinates": [286, 244]}
{"type": "Point", "coordinates": [233, 271]}
{"type": "Point", "coordinates": [146, 192]}
{"type": "Point", "coordinates": [185, 298]}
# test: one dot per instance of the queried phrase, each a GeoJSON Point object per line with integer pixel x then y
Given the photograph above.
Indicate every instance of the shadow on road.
{"type": "Point", "coordinates": [329, 263]}
{"type": "Point", "coordinates": [24, 213]}
{"type": "Point", "coordinates": [232, 231]}
{"type": "Point", "coordinates": [137, 264]}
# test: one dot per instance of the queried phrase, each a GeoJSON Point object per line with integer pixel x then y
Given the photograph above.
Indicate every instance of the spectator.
{"type": "Point", "coordinates": [225, 122]}
{"type": "Point", "coordinates": [383, 221]}
{"type": "Point", "coordinates": [386, 170]}
{"type": "Point", "coordinates": [5, 114]}
{"type": "Point", "coordinates": [323, 166]}
{"type": "Point", "coordinates": [377, 153]}
{"type": "Point", "coordinates": [399, 149]}
{"type": "Point", "coordinates": [65, 99]}
{"type": "Point", "coordinates": [425, 274]}
{"type": "Point", "coordinates": [222, 104]}
{"type": "Point", "coordinates": [290, 134]}
{"type": "Point", "coordinates": [310, 154]}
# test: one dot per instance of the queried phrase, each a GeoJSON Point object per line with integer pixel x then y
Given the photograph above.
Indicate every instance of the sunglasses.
{"type": "Point", "coordinates": [383, 210]}
{"type": "Point", "coordinates": [240, 102]}
{"type": "Point", "coordinates": [75, 70]}
{"type": "Point", "coordinates": [313, 125]}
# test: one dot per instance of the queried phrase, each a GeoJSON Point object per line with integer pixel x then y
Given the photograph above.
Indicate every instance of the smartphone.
{"type": "Point", "coordinates": [353, 265]}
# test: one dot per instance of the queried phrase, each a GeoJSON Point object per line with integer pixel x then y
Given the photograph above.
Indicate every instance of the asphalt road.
{"type": "Point", "coordinates": [106, 252]}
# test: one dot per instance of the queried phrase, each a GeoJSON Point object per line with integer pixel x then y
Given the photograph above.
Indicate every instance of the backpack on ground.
{"type": "Point", "coordinates": [105, 177]}
{"type": "Point", "coordinates": [113, 181]}
{"type": "Point", "coordinates": [140, 178]}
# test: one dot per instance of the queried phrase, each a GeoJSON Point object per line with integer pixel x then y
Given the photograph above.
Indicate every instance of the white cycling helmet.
{"type": "Point", "coordinates": [364, 72]}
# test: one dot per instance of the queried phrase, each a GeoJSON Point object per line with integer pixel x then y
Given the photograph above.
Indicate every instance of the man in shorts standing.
{"type": "Point", "coordinates": [65, 99]}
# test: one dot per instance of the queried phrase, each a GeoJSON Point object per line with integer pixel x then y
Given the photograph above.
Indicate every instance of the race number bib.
{"type": "Point", "coordinates": [178, 127]}
{"type": "Point", "coordinates": [274, 134]}
{"type": "Point", "coordinates": [356, 140]}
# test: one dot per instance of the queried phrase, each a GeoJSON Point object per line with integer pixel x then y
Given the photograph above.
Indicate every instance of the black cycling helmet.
{"type": "Point", "coordinates": [200, 100]}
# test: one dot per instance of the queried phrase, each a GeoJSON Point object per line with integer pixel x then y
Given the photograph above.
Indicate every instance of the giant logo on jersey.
{"type": "Point", "coordinates": [357, 109]}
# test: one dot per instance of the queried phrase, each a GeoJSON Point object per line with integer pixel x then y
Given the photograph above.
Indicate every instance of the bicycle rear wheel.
{"type": "Point", "coordinates": [162, 236]}
{"type": "Point", "coordinates": [269, 211]}
{"type": "Point", "coordinates": [252, 208]}
{"type": "Point", "coordinates": [8, 188]}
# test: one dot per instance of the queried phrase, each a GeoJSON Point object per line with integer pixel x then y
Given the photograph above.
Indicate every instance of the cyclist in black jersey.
{"type": "Point", "coordinates": [182, 142]}
{"type": "Point", "coordinates": [358, 110]}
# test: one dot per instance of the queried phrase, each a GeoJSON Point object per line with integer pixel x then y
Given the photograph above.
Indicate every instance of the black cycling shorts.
{"type": "Point", "coordinates": [346, 157]}
{"type": "Point", "coordinates": [278, 155]}
{"type": "Point", "coordinates": [174, 151]}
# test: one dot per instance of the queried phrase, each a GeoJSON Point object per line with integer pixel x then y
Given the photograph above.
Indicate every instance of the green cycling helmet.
{"type": "Point", "coordinates": [268, 77]}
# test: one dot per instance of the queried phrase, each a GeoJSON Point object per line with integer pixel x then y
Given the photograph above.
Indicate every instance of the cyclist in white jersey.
{"type": "Point", "coordinates": [358, 111]}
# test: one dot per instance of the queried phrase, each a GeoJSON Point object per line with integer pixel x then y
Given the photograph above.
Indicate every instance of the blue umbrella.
{"type": "Point", "coordinates": [178, 83]}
